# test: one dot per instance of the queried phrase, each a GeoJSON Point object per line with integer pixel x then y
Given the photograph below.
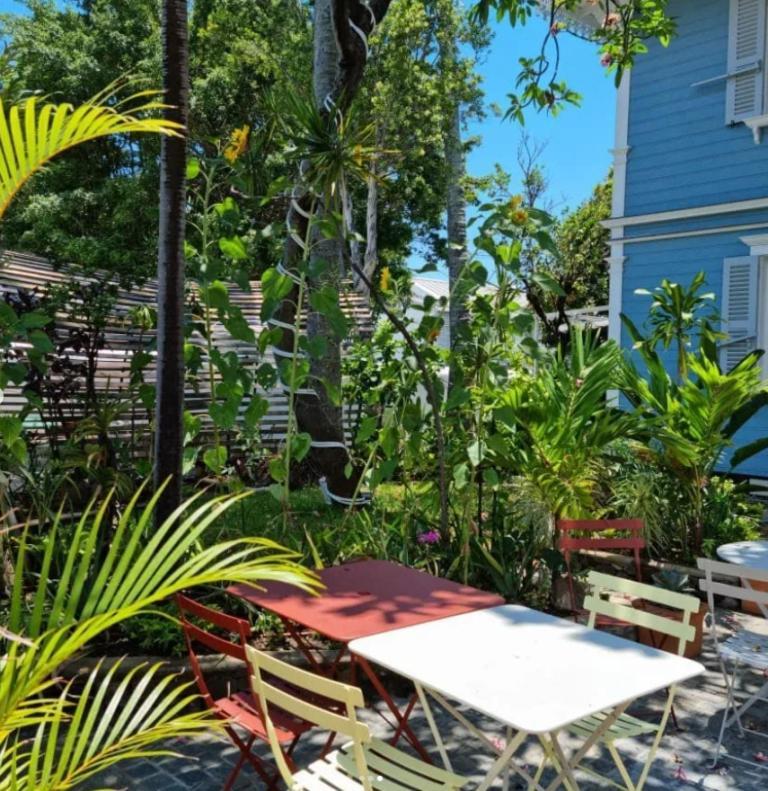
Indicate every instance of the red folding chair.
{"type": "Point", "coordinates": [607, 535]}
{"type": "Point", "coordinates": [238, 708]}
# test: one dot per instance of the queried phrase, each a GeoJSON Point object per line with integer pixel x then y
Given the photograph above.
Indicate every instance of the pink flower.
{"type": "Point", "coordinates": [607, 59]}
{"type": "Point", "coordinates": [430, 537]}
{"type": "Point", "coordinates": [612, 19]}
{"type": "Point", "coordinates": [761, 757]}
{"type": "Point", "coordinates": [499, 743]}
{"type": "Point", "coordinates": [680, 774]}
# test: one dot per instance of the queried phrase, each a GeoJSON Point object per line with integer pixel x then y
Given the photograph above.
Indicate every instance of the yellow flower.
{"type": "Point", "coordinates": [515, 202]}
{"type": "Point", "coordinates": [238, 142]}
{"type": "Point", "coordinates": [384, 279]}
{"type": "Point", "coordinates": [520, 217]}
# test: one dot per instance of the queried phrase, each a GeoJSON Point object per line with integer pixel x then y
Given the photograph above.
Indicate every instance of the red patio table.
{"type": "Point", "coordinates": [365, 598]}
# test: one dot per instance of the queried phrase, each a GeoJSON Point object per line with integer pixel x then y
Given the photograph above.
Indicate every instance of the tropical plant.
{"type": "Point", "coordinates": [33, 132]}
{"type": "Point", "coordinates": [681, 316]}
{"type": "Point", "coordinates": [562, 424]}
{"type": "Point", "coordinates": [620, 29]}
{"type": "Point", "coordinates": [694, 419]}
{"type": "Point", "coordinates": [57, 738]}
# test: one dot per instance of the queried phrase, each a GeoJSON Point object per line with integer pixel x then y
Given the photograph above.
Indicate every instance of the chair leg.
{"type": "Point", "coordinates": [230, 781]}
{"type": "Point", "coordinates": [730, 700]}
{"type": "Point", "coordinates": [656, 741]}
{"type": "Point", "coordinates": [246, 755]}
{"type": "Point", "coordinates": [245, 750]}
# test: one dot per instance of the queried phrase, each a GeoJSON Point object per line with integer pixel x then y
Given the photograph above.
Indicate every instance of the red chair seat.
{"type": "Point", "coordinates": [241, 709]}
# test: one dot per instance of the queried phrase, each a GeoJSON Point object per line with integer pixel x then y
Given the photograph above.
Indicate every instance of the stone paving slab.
{"type": "Point", "coordinates": [683, 762]}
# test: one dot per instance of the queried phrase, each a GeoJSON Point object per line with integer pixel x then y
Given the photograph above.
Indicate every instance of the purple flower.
{"type": "Point", "coordinates": [430, 537]}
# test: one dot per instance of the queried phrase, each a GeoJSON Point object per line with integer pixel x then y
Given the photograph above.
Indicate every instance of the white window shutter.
{"type": "Point", "coordinates": [746, 53]}
{"type": "Point", "coordinates": [740, 308]}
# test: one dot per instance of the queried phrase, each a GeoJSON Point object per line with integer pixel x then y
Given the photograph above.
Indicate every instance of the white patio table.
{"type": "Point", "coordinates": [532, 672]}
{"type": "Point", "coordinates": [745, 553]}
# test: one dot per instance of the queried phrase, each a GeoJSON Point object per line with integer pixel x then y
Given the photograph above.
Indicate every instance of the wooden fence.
{"type": "Point", "coordinates": [122, 340]}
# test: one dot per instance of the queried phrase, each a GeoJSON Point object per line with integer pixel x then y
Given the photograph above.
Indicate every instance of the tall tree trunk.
{"type": "Point", "coordinates": [371, 255]}
{"type": "Point", "coordinates": [458, 255]}
{"type": "Point", "coordinates": [340, 56]}
{"type": "Point", "coordinates": [169, 432]}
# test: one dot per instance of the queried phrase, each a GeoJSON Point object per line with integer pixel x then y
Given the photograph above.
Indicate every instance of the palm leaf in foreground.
{"type": "Point", "coordinates": [101, 587]}
{"type": "Point", "coordinates": [34, 132]}
{"type": "Point", "coordinates": [107, 722]}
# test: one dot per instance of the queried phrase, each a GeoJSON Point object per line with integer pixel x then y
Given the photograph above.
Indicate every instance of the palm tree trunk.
{"type": "Point", "coordinates": [169, 431]}
{"type": "Point", "coordinates": [458, 255]}
{"type": "Point", "coordinates": [456, 202]}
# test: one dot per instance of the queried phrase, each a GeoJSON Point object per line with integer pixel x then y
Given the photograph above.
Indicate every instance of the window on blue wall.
{"type": "Point", "coordinates": [746, 78]}
{"type": "Point", "coordinates": [744, 308]}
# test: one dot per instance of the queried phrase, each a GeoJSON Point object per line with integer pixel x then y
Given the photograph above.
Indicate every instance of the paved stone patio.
{"type": "Point", "coordinates": [683, 760]}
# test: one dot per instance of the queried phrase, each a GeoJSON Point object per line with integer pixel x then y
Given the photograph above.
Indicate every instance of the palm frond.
{"type": "Point", "coordinates": [110, 720]}
{"type": "Point", "coordinates": [35, 131]}
{"type": "Point", "coordinates": [109, 579]}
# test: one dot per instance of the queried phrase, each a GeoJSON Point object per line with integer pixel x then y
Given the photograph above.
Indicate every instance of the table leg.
{"type": "Point", "coordinates": [505, 760]}
{"type": "Point", "coordinates": [508, 771]}
{"type": "Point", "coordinates": [387, 698]}
{"type": "Point", "coordinates": [406, 716]}
{"type": "Point", "coordinates": [566, 770]}
{"type": "Point", "coordinates": [306, 651]}
{"type": "Point", "coordinates": [433, 727]}
{"type": "Point", "coordinates": [586, 747]}
{"type": "Point", "coordinates": [513, 742]}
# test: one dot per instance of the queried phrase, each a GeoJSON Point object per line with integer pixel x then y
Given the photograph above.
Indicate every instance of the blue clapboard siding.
{"type": "Point", "coordinates": [682, 152]}
{"type": "Point", "coordinates": [647, 263]}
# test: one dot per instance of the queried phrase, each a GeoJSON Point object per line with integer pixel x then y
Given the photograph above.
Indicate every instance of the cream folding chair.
{"type": "Point", "coordinates": [363, 763]}
{"type": "Point", "coordinates": [605, 728]}
{"type": "Point", "coordinates": [745, 649]}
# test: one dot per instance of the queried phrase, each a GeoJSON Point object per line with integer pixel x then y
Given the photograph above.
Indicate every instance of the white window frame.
{"type": "Point", "coordinates": [758, 247]}
{"type": "Point", "coordinates": [759, 120]}
{"type": "Point", "coordinates": [762, 310]}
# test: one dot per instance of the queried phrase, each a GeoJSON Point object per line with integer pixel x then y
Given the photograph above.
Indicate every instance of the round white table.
{"type": "Point", "coordinates": [745, 553]}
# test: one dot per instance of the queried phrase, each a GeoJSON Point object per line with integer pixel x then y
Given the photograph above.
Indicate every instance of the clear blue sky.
{"type": "Point", "coordinates": [578, 140]}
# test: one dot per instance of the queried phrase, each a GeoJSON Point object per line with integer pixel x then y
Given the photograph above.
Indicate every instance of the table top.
{"type": "Point", "coordinates": [368, 597]}
{"type": "Point", "coordinates": [745, 553]}
{"type": "Point", "coordinates": [524, 668]}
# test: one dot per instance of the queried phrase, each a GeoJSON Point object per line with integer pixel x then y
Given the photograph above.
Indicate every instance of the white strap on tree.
{"type": "Point", "coordinates": [364, 498]}
{"type": "Point", "coordinates": [328, 443]}
{"type": "Point", "coordinates": [285, 354]}
{"type": "Point", "coordinates": [281, 270]}
{"type": "Point", "coordinates": [361, 34]}
{"type": "Point", "coordinates": [282, 324]}
{"type": "Point", "coordinates": [297, 207]}
{"type": "Point", "coordinates": [305, 391]}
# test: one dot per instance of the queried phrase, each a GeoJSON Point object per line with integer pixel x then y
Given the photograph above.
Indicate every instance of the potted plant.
{"type": "Point", "coordinates": [679, 582]}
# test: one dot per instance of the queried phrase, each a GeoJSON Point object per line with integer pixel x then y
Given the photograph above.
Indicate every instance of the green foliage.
{"type": "Point", "coordinates": [680, 316]}
{"type": "Point", "coordinates": [98, 208]}
{"type": "Point", "coordinates": [582, 247]}
{"type": "Point", "coordinates": [621, 36]}
{"type": "Point", "coordinates": [408, 95]}
{"type": "Point", "coordinates": [563, 426]}
{"type": "Point", "coordinates": [729, 515]}
{"type": "Point", "coordinates": [111, 573]}
{"type": "Point", "coordinates": [694, 416]}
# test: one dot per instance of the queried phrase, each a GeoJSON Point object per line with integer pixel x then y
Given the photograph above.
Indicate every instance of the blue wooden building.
{"type": "Point", "coordinates": [691, 176]}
